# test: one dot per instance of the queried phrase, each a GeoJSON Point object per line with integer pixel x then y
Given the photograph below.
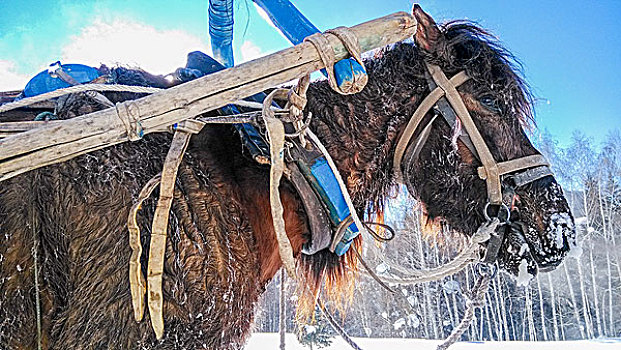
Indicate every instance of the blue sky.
{"type": "Point", "coordinates": [571, 50]}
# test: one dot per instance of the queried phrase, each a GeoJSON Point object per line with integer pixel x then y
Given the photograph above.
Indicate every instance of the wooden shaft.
{"type": "Point", "coordinates": [104, 128]}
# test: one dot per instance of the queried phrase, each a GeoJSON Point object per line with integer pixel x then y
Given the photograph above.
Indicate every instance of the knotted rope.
{"type": "Point", "coordinates": [276, 135]}
{"type": "Point", "coordinates": [468, 255]}
{"type": "Point", "coordinates": [326, 54]}
{"type": "Point", "coordinates": [477, 301]}
{"type": "Point", "coordinates": [296, 98]}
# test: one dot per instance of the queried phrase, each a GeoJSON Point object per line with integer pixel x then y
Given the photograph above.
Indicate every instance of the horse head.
{"type": "Point", "coordinates": [446, 173]}
{"type": "Point", "coordinates": [442, 162]}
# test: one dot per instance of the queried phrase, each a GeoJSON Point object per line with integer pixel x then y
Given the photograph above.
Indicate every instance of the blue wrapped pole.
{"type": "Point", "coordinates": [292, 23]}
{"type": "Point", "coordinates": [288, 19]}
{"type": "Point", "coordinates": [221, 30]}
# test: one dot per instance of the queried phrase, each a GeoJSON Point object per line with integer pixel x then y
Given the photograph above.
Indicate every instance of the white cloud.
{"type": "Point", "coordinates": [130, 43]}
{"type": "Point", "coordinates": [250, 51]}
{"type": "Point", "coordinates": [9, 78]}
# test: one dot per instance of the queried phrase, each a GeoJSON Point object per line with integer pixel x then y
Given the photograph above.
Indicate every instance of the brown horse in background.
{"type": "Point", "coordinates": [222, 250]}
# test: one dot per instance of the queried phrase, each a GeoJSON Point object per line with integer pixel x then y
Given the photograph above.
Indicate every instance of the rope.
{"type": "Point", "coordinates": [74, 89]}
{"type": "Point", "coordinates": [282, 311]}
{"type": "Point", "coordinates": [465, 257]}
{"type": "Point", "coordinates": [336, 326]}
{"type": "Point", "coordinates": [129, 115]}
{"type": "Point", "coordinates": [372, 273]}
{"type": "Point", "coordinates": [477, 301]}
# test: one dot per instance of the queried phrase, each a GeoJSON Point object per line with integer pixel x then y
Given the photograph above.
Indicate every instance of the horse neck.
{"type": "Point", "coordinates": [360, 131]}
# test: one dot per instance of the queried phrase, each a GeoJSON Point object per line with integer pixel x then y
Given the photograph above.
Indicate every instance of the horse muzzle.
{"type": "Point", "coordinates": [540, 232]}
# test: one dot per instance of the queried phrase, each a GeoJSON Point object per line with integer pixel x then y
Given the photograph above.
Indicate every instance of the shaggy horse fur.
{"type": "Point", "coordinates": [221, 251]}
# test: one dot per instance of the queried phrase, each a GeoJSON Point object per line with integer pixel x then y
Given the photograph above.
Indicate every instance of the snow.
{"type": "Point", "coordinates": [524, 249]}
{"type": "Point", "coordinates": [310, 329]}
{"type": "Point", "coordinates": [382, 268]}
{"type": "Point", "coordinates": [451, 286]}
{"type": "Point", "coordinates": [523, 277]}
{"type": "Point", "coordinates": [575, 249]}
{"type": "Point", "coordinates": [413, 321]}
{"type": "Point", "coordinates": [559, 222]}
{"type": "Point", "coordinates": [260, 341]}
{"type": "Point", "coordinates": [398, 324]}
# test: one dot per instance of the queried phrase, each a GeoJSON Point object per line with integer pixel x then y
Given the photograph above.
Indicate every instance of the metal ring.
{"type": "Point", "coordinates": [501, 207]}
{"type": "Point", "coordinates": [486, 269]}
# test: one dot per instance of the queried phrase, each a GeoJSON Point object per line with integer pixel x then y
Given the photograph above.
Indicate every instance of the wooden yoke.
{"type": "Point", "coordinates": [57, 142]}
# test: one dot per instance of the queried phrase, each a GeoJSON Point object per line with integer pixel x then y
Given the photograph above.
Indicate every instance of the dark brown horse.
{"type": "Point", "coordinates": [221, 251]}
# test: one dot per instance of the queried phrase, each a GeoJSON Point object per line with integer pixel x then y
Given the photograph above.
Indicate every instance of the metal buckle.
{"type": "Point", "coordinates": [500, 210]}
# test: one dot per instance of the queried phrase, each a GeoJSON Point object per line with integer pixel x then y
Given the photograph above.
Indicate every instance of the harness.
{"type": "Point", "coordinates": [308, 166]}
{"type": "Point", "coordinates": [448, 103]}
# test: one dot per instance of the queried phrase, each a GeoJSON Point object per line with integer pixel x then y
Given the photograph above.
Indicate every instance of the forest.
{"type": "Point", "coordinates": [581, 299]}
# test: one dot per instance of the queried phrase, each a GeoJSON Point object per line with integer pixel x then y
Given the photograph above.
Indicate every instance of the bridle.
{"type": "Point", "coordinates": [447, 101]}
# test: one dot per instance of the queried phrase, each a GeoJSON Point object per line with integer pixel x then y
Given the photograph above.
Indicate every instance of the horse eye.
{"type": "Point", "coordinates": [489, 102]}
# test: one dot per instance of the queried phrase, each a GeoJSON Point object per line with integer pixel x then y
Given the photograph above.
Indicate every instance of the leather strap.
{"type": "Point", "coordinates": [276, 135]}
{"type": "Point", "coordinates": [531, 175]}
{"type": "Point", "coordinates": [417, 117]}
{"type": "Point", "coordinates": [536, 160]}
{"type": "Point", "coordinates": [448, 101]}
{"type": "Point", "coordinates": [494, 191]}
{"type": "Point", "coordinates": [451, 118]}
{"type": "Point", "coordinates": [136, 279]}
{"type": "Point", "coordinates": [155, 269]}
{"type": "Point", "coordinates": [326, 54]}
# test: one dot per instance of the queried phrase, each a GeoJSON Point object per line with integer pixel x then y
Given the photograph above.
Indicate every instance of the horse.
{"type": "Point", "coordinates": [64, 251]}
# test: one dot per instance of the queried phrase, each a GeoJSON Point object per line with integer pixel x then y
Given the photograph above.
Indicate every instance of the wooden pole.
{"type": "Point", "coordinates": [58, 142]}
{"type": "Point", "coordinates": [282, 310]}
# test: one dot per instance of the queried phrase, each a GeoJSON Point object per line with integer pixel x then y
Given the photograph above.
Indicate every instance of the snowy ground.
{"type": "Point", "coordinates": [261, 341]}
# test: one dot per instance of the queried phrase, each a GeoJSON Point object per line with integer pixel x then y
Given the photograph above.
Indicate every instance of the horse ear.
{"type": "Point", "coordinates": [427, 34]}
